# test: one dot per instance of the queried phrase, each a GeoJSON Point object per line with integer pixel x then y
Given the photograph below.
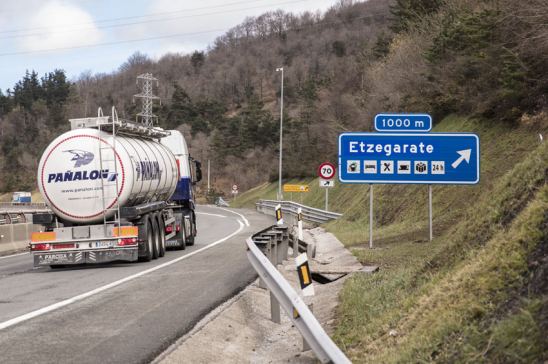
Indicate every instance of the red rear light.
{"type": "Point", "coordinates": [169, 229]}
{"type": "Point", "coordinates": [178, 228]}
{"type": "Point", "coordinates": [39, 247]}
{"type": "Point", "coordinates": [127, 241]}
{"type": "Point", "coordinates": [62, 246]}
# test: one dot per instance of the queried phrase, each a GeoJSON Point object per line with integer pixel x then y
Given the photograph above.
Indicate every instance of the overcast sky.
{"type": "Point", "coordinates": [43, 35]}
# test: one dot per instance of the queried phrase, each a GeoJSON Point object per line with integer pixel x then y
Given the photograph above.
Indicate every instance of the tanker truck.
{"type": "Point", "coordinates": [117, 191]}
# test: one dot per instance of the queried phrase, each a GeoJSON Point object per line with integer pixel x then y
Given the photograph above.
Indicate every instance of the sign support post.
{"type": "Point", "coordinates": [326, 171]}
{"type": "Point", "coordinates": [430, 209]}
{"type": "Point", "coordinates": [371, 216]}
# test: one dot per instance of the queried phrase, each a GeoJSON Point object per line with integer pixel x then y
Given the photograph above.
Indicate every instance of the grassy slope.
{"type": "Point", "coordinates": [445, 300]}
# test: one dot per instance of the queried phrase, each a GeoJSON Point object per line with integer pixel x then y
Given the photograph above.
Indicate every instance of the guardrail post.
{"type": "Point", "coordinates": [295, 246]}
{"type": "Point", "coordinates": [273, 257]}
{"type": "Point", "coordinates": [274, 309]}
{"type": "Point", "coordinates": [305, 343]}
{"type": "Point", "coordinates": [285, 245]}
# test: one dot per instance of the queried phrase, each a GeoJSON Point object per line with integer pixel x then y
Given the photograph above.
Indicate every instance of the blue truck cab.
{"type": "Point", "coordinates": [183, 198]}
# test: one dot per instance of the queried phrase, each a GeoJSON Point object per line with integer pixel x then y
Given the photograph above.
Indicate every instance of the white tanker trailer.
{"type": "Point", "coordinates": [118, 190]}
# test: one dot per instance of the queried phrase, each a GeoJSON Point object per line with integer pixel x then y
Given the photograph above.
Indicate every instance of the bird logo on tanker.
{"type": "Point", "coordinates": [81, 157]}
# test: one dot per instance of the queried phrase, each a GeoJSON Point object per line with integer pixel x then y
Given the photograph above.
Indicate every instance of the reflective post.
{"type": "Point", "coordinates": [300, 222]}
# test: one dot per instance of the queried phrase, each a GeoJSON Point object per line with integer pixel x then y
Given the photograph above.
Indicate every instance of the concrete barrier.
{"type": "Point", "coordinates": [16, 236]}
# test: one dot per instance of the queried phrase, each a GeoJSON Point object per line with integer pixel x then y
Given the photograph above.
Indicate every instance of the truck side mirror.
{"type": "Point", "coordinates": [198, 170]}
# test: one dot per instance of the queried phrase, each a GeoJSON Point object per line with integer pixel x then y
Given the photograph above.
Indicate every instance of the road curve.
{"type": "Point", "coordinates": [126, 313]}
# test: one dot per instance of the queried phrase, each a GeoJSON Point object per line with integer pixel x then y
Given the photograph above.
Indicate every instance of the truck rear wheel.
{"type": "Point", "coordinates": [162, 235]}
{"type": "Point", "coordinates": [156, 235]}
{"type": "Point", "coordinates": [146, 234]}
{"type": "Point", "coordinates": [190, 239]}
{"type": "Point", "coordinates": [180, 239]}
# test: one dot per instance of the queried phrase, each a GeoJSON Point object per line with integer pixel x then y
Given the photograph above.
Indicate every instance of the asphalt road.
{"type": "Point", "coordinates": [110, 315]}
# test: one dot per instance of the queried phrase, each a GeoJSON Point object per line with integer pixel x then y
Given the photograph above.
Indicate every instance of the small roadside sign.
{"type": "Point", "coordinates": [296, 188]}
{"type": "Point", "coordinates": [234, 189]}
{"type": "Point", "coordinates": [403, 122]}
{"type": "Point", "coordinates": [326, 170]}
{"type": "Point", "coordinates": [327, 183]}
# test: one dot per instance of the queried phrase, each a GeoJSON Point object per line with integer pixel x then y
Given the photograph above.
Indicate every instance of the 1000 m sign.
{"type": "Point", "coordinates": [403, 122]}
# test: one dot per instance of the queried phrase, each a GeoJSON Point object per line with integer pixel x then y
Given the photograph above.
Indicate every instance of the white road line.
{"type": "Point", "coordinates": [13, 255]}
{"type": "Point", "coordinates": [234, 212]}
{"type": "Point", "coordinates": [80, 297]}
{"type": "Point", "coordinates": [208, 214]}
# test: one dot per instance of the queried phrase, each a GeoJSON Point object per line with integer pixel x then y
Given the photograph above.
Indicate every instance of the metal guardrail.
{"type": "Point", "coordinates": [26, 207]}
{"type": "Point", "coordinates": [12, 218]}
{"type": "Point", "coordinates": [310, 214]}
{"type": "Point", "coordinates": [14, 213]}
{"type": "Point", "coordinates": [274, 241]}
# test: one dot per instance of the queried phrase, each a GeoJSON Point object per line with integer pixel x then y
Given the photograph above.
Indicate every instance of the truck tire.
{"type": "Point", "coordinates": [180, 237]}
{"type": "Point", "coordinates": [162, 235]}
{"type": "Point", "coordinates": [156, 235]}
{"type": "Point", "coordinates": [190, 239]}
{"type": "Point", "coordinates": [145, 234]}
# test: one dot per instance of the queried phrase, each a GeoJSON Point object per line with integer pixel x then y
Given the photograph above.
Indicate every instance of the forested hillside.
{"type": "Point", "coordinates": [482, 58]}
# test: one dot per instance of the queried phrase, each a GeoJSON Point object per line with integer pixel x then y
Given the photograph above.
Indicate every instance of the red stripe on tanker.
{"type": "Point", "coordinates": [71, 177]}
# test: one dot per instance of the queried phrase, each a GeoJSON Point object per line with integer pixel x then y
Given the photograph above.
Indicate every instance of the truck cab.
{"type": "Point", "coordinates": [189, 174]}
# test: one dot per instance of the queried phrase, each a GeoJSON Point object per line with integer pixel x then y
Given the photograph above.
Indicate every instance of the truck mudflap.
{"type": "Point", "coordinates": [83, 257]}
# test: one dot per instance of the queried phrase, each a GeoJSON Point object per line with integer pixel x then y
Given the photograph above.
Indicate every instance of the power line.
{"type": "Point", "coordinates": [110, 43]}
{"type": "Point", "coordinates": [320, 23]}
{"type": "Point", "coordinates": [151, 20]}
{"type": "Point", "coordinates": [131, 17]}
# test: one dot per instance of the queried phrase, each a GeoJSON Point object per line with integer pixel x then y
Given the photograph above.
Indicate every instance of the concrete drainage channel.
{"type": "Point", "coordinates": [251, 327]}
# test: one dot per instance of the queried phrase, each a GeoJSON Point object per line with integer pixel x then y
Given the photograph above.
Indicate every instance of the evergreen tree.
{"type": "Point", "coordinates": [27, 90]}
{"type": "Point", "coordinates": [407, 12]}
{"type": "Point", "coordinates": [56, 88]}
{"type": "Point", "coordinates": [5, 103]}
{"type": "Point", "coordinates": [256, 124]}
{"type": "Point", "coordinates": [182, 110]}
{"type": "Point", "coordinates": [197, 59]}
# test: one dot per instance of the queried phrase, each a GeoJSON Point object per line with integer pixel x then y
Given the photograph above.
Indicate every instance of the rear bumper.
{"type": "Point", "coordinates": [85, 256]}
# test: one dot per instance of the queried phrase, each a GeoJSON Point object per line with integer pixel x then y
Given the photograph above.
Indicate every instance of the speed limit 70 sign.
{"type": "Point", "coordinates": [326, 170]}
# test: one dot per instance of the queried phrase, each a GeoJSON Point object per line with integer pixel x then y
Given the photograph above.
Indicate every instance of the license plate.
{"type": "Point", "coordinates": [104, 244]}
{"type": "Point", "coordinates": [58, 258]}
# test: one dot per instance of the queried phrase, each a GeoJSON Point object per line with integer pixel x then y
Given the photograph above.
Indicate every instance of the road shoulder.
{"type": "Point", "coordinates": [241, 330]}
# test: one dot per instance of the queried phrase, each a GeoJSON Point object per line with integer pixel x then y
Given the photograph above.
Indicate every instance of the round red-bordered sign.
{"type": "Point", "coordinates": [326, 170]}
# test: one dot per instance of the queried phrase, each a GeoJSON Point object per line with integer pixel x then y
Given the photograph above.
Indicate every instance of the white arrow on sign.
{"type": "Point", "coordinates": [464, 155]}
